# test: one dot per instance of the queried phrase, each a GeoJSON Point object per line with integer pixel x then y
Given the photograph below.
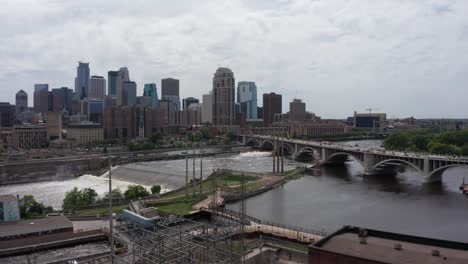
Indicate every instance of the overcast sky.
{"type": "Point", "coordinates": [406, 58]}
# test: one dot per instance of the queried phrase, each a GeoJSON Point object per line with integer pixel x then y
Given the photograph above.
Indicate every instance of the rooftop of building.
{"type": "Point", "coordinates": [389, 247]}
{"type": "Point", "coordinates": [31, 126]}
{"type": "Point", "coordinates": [25, 227]}
{"type": "Point", "coordinates": [7, 197]}
{"type": "Point", "coordinates": [84, 124]}
{"type": "Point", "coordinates": [356, 114]}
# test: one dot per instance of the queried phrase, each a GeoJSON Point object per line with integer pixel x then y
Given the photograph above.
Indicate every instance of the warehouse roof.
{"type": "Point", "coordinates": [28, 227]}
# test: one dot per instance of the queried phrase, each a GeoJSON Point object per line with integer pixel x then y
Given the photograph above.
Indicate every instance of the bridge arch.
{"type": "Point", "coordinates": [264, 143]}
{"type": "Point", "coordinates": [288, 149]}
{"type": "Point", "coordinates": [252, 142]}
{"type": "Point", "coordinates": [303, 150]}
{"type": "Point", "coordinates": [437, 173]}
{"type": "Point", "coordinates": [399, 161]}
{"type": "Point", "coordinates": [345, 154]}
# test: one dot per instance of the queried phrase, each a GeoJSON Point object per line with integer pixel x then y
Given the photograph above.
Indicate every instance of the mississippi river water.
{"type": "Point", "coordinates": [326, 199]}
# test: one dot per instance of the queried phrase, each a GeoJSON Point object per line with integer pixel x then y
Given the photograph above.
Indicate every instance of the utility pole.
{"type": "Point", "coordinates": [186, 172]}
{"type": "Point", "coordinates": [274, 153]}
{"type": "Point", "coordinates": [111, 216]}
{"type": "Point", "coordinates": [277, 152]}
{"type": "Point", "coordinates": [282, 148]}
{"type": "Point", "coordinates": [201, 170]}
{"type": "Point", "coordinates": [193, 178]}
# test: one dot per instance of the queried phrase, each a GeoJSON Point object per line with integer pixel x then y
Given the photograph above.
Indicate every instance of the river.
{"type": "Point", "coordinates": [327, 199]}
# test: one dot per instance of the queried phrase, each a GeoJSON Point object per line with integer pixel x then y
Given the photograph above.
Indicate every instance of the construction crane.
{"type": "Point", "coordinates": [370, 109]}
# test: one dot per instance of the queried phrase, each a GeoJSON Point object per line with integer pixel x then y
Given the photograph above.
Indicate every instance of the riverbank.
{"type": "Point", "coordinates": [183, 201]}
{"type": "Point", "coordinates": [66, 168]}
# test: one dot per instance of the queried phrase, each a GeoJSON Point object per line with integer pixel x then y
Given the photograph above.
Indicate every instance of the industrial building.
{"type": "Point", "coordinates": [366, 246]}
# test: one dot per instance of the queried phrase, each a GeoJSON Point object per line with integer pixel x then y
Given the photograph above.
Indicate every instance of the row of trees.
{"type": "Point", "coordinates": [451, 142]}
{"type": "Point", "coordinates": [29, 207]}
{"type": "Point", "coordinates": [88, 196]}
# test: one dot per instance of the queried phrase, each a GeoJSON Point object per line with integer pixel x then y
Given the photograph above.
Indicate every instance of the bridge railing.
{"type": "Point", "coordinates": [295, 228]}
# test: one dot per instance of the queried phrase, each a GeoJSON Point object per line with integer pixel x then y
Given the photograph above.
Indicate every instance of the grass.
{"type": "Point", "coordinates": [181, 208]}
{"type": "Point", "coordinates": [226, 179]}
{"type": "Point", "coordinates": [238, 178]}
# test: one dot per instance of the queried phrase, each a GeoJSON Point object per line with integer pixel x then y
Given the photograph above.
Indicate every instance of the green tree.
{"type": "Point", "coordinates": [400, 141]}
{"type": "Point", "coordinates": [135, 191]}
{"type": "Point", "coordinates": [29, 207]}
{"type": "Point", "coordinates": [156, 189]}
{"type": "Point", "coordinates": [75, 197]}
{"type": "Point", "coordinates": [116, 194]}
{"type": "Point", "coordinates": [156, 137]}
{"type": "Point", "coordinates": [205, 132]}
{"type": "Point", "coordinates": [439, 148]}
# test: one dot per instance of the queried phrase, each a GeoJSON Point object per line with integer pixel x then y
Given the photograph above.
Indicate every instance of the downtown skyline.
{"type": "Point", "coordinates": [406, 59]}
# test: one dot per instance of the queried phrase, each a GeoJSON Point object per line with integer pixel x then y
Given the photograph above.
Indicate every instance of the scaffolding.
{"type": "Point", "coordinates": [178, 240]}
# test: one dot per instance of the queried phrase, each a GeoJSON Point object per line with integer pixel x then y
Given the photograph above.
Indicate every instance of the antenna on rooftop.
{"type": "Point", "coordinates": [370, 109]}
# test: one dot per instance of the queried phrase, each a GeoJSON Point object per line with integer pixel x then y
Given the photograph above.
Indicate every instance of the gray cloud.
{"type": "Point", "coordinates": [403, 57]}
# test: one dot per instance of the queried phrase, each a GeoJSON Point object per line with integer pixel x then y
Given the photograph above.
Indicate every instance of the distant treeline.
{"type": "Point", "coordinates": [451, 142]}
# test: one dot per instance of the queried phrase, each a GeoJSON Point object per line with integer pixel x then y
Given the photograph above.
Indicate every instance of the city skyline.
{"type": "Point", "coordinates": [402, 58]}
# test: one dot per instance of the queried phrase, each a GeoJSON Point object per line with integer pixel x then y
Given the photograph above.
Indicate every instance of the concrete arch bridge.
{"type": "Point", "coordinates": [374, 161]}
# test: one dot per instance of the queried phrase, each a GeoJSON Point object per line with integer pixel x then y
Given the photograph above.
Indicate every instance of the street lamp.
{"type": "Point", "coordinates": [186, 171]}
{"type": "Point", "coordinates": [193, 176]}
{"type": "Point", "coordinates": [111, 215]}
{"type": "Point", "coordinates": [201, 169]}
{"type": "Point", "coordinates": [281, 134]}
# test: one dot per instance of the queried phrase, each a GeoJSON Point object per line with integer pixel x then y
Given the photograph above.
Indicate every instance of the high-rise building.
{"type": "Point", "coordinates": [7, 115]}
{"type": "Point", "coordinates": [112, 77]}
{"type": "Point", "coordinates": [186, 102]}
{"type": "Point", "coordinates": [190, 116]}
{"type": "Point", "coordinates": [93, 109]}
{"type": "Point", "coordinates": [259, 112]}
{"type": "Point", "coordinates": [81, 80]}
{"type": "Point", "coordinates": [223, 97]}
{"type": "Point", "coordinates": [128, 122]}
{"type": "Point", "coordinates": [62, 100]}
{"type": "Point", "coordinates": [207, 108]}
{"type": "Point", "coordinates": [169, 87]}
{"type": "Point", "coordinates": [151, 91]}
{"type": "Point", "coordinates": [297, 111]}
{"type": "Point", "coordinates": [21, 104]}
{"type": "Point", "coordinates": [247, 99]}
{"type": "Point", "coordinates": [97, 87]}
{"type": "Point", "coordinates": [144, 101]}
{"type": "Point", "coordinates": [129, 95]}
{"type": "Point", "coordinates": [272, 104]}
{"type": "Point", "coordinates": [41, 87]}
{"type": "Point", "coordinates": [122, 77]}
{"type": "Point", "coordinates": [41, 98]}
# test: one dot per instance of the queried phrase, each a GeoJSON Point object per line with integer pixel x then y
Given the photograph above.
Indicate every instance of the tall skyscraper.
{"type": "Point", "coordinates": [21, 103]}
{"type": "Point", "coordinates": [97, 87]}
{"type": "Point", "coordinates": [151, 91]}
{"type": "Point", "coordinates": [112, 77]}
{"type": "Point", "coordinates": [81, 80]}
{"type": "Point", "coordinates": [223, 97]}
{"type": "Point", "coordinates": [207, 108]}
{"type": "Point", "coordinates": [62, 100]}
{"type": "Point", "coordinates": [272, 104]}
{"type": "Point", "coordinates": [169, 87]}
{"type": "Point", "coordinates": [247, 99]}
{"type": "Point", "coordinates": [129, 97]}
{"type": "Point", "coordinates": [41, 97]}
{"type": "Point", "coordinates": [186, 102]}
{"type": "Point", "coordinates": [122, 77]}
{"type": "Point", "coordinates": [297, 110]}
{"type": "Point", "coordinates": [7, 115]}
